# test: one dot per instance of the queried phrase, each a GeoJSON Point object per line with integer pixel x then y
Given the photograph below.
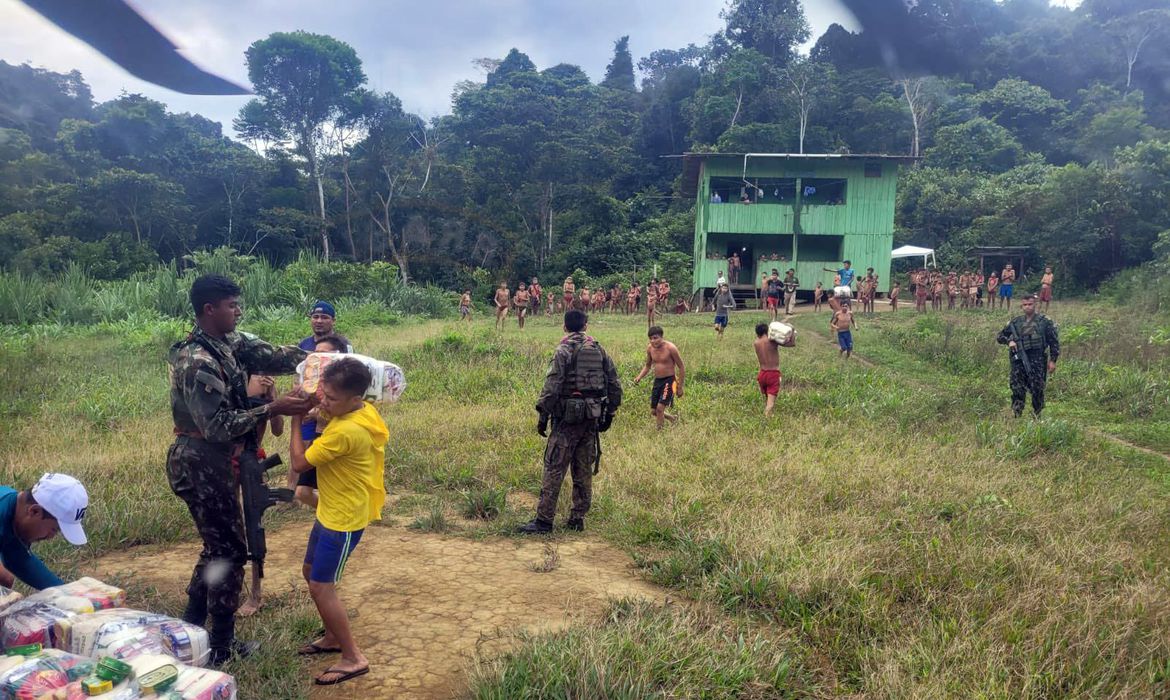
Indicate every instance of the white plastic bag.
{"type": "Point", "coordinates": [88, 635]}
{"type": "Point", "coordinates": [782, 334]}
{"type": "Point", "coordinates": [386, 385]}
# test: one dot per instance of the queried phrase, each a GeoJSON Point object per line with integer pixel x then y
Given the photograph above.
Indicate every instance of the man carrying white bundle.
{"type": "Point", "coordinates": [55, 504]}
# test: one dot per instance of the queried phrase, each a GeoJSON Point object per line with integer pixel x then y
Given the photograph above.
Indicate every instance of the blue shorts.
{"type": "Point", "coordinates": [845, 340]}
{"type": "Point", "coordinates": [328, 551]}
{"type": "Point", "coordinates": [721, 321]}
{"type": "Point", "coordinates": [1005, 291]}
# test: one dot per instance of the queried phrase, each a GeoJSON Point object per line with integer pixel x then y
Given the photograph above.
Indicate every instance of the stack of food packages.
{"type": "Point", "coordinates": [77, 641]}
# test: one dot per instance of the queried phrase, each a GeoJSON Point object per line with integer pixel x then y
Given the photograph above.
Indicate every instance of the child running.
{"type": "Point", "coordinates": [521, 302]}
{"type": "Point", "coordinates": [349, 458]}
{"type": "Point", "coordinates": [465, 306]}
{"type": "Point", "coordinates": [663, 358]}
{"type": "Point", "coordinates": [724, 305]}
{"type": "Point", "coordinates": [502, 301]}
{"type": "Point", "coordinates": [843, 324]}
{"type": "Point", "coordinates": [769, 378]}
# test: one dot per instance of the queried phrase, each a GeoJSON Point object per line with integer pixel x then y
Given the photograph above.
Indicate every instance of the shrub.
{"type": "Point", "coordinates": [484, 503]}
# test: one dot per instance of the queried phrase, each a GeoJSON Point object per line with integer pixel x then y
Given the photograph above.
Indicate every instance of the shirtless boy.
{"type": "Point", "coordinates": [568, 293]}
{"type": "Point", "coordinates": [465, 306]}
{"type": "Point", "coordinates": [651, 301]}
{"type": "Point", "coordinates": [521, 302]}
{"type": "Point", "coordinates": [1006, 281]}
{"type": "Point", "coordinates": [768, 353]}
{"type": "Point", "coordinates": [664, 293]}
{"type": "Point", "coordinates": [818, 295]}
{"type": "Point", "coordinates": [992, 289]}
{"type": "Point", "coordinates": [549, 303]}
{"type": "Point", "coordinates": [662, 357]}
{"type": "Point", "coordinates": [502, 302]}
{"type": "Point", "coordinates": [843, 324]}
{"type": "Point", "coordinates": [631, 298]}
{"type": "Point", "coordinates": [1046, 288]}
{"type": "Point", "coordinates": [920, 292]}
{"type": "Point", "coordinates": [894, 292]}
{"type": "Point", "coordinates": [537, 295]}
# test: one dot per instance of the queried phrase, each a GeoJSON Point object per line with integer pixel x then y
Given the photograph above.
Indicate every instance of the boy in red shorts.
{"type": "Point", "coordinates": [768, 353]}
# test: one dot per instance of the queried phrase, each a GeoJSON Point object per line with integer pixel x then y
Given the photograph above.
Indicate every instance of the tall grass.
{"type": "Point", "coordinates": [74, 298]}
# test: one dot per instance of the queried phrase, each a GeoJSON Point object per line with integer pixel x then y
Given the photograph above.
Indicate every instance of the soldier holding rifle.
{"type": "Point", "coordinates": [1035, 347]}
{"type": "Point", "coordinates": [213, 421]}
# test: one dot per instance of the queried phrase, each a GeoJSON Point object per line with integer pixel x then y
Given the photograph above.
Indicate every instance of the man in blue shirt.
{"type": "Point", "coordinates": [846, 273]}
{"type": "Point", "coordinates": [322, 317]}
{"type": "Point", "coordinates": [55, 504]}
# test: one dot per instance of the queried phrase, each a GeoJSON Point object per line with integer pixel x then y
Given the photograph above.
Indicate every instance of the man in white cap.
{"type": "Point", "coordinates": [55, 504]}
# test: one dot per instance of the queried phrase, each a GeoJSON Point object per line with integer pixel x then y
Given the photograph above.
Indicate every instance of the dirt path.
{"type": "Point", "coordinates": [420, 603]}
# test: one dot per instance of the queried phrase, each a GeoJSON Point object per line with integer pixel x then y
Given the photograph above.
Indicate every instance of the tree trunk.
{"type": "Point", "coordinates": [348, 211]}
{"type": "Point", "coordinates": [315, 171]}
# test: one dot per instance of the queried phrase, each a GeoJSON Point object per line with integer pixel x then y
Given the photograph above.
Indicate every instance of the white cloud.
{"type": "Point", "coordinates": [416, 51]}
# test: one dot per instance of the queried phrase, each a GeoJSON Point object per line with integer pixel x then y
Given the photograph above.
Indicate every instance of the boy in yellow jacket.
{"type": "Point", "coordinates": [348, 457]}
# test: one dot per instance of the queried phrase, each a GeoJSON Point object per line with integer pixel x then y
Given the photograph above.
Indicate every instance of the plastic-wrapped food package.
{"type": "Point", "coordinates": [8, 597]}
{"type": "Point", "coordinates": [31, 622]}
{"type": "Point", "coordinates": [387, 380]}
{"type": "Point", "coordinates": [72, 596]}
{"type": "Point", "coordinates": [90, 635]}
{"type": "Point", "coordinates": [782, 334]}
{"type": "Point", "coordinates": [203, 684]}
{"type": "Point", "coordinates": [130, 644]}
{"type": "Point", "coordinates": [126, 690]}
{"type": "Point", "coordinates": [45, 676]}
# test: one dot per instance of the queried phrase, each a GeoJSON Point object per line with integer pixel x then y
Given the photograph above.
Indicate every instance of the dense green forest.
{"type": "Point", "coordinates": [1054, 131]}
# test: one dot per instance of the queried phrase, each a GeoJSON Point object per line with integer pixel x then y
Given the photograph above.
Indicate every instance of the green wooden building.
{"type": "Point", "coordinates": [785, 210]}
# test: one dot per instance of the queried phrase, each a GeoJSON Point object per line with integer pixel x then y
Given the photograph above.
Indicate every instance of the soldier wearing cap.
{"type": "Point", "coordinates": [213, 421]}
{"type": "Point", "coordinates": [55, 504]}
{"type": "Point", "coordinates": [322, 318]}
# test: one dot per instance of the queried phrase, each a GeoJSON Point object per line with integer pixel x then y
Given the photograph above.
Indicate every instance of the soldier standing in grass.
{"type": "Point", "coordinates": [209, 404]}
{"type": "Point", "coordinates": [580, 396]}
{"type": "Point", "coordinates": [1030, 337]}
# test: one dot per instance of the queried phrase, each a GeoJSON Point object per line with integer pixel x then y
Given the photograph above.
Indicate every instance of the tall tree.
{"type": "Point", "coordinates": [619, 74]}
{"type": "Point", "coordinates": [775, 28]}
{"type": "Point", "coordinates": [808, 82]}
{"type": "Point", "coordinates": [304, 83]}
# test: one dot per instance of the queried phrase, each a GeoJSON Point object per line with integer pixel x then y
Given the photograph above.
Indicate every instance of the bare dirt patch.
{"type": "Point", "coordinates": [422, 604]}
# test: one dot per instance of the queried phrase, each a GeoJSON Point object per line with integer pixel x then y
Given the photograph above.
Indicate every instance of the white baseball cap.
{"type": "Point", "coordinates": [64, 498]}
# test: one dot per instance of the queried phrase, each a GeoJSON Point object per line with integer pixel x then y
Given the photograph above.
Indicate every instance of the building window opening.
{"type": "Point", "coordinates": [821, 191]}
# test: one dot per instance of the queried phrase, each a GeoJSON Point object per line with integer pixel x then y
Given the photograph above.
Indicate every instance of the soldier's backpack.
{"type": "Point", "coordinates": [588, 392]}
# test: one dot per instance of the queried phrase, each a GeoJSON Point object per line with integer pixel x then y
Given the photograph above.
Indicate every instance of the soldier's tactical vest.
{"type": "Point", "coordinates": [1035, 341]}
{"type": "Point", "coordinates": [584, 392]}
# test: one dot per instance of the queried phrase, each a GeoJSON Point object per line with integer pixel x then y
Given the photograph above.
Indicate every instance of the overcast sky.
{"type": "Point", "coordinates": [417, 55]}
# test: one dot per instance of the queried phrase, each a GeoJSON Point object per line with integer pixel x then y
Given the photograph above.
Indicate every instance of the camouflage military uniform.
{"type": "Point", "coordinates": [571, 448]}
{"type": "Point", "coordinates": [1038, 340]}
{"type": "Point", "coordinates": [212, 422]}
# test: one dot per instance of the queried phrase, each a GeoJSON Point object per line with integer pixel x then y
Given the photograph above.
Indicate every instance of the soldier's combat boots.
{"type": "Point", "coordinates": [221, 635]}
{"type": "Point", "coordinates": [536, 526]}
{"type": "Point", "coordinates": [575, 524]}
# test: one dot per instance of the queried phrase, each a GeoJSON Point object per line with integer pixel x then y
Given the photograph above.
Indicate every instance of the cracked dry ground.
{"type": "Point", "coordinates": [421, 603]}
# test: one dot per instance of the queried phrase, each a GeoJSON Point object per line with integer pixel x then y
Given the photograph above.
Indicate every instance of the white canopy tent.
{"type": "Point", "coordinates": [913, 251]}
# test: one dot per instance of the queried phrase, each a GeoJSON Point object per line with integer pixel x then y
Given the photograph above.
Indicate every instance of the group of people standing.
{"type": "Point", "coordinates": [968, 289]}
{"type": "Point", "coordinates": [528, 300]}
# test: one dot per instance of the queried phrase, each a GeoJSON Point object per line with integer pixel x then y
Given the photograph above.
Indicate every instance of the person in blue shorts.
{"type": "Point", "coordinates": [724, 303]}
{"type": "Point", "coordinates": [1006, 280]}
{"type": "Point", "coordinates": [349, 457]}
{"type": "Point", "coordinates": [843, 324]}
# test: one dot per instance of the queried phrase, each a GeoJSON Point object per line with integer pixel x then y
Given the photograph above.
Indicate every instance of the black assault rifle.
{"type": "Point", "coordinates": [1019, 355]}
{"type": "Point", "coordinates": [258, 497]}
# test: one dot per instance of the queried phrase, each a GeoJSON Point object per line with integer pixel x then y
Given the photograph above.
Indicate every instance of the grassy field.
{"type": "Point", "coordinates": [892, 532]}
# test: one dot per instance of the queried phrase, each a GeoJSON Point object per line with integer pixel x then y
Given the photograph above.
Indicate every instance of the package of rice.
{"type": "Point", "coordinates": [782, 334]}
{"type": "Point", "coordinates": [387, 379]}
{"type": "Point", "coordinates": [83, 596]}
{"type": "Point", "coordinates": [843, 292]}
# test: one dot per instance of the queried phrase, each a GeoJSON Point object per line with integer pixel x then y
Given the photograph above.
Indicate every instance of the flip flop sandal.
{"type": "Point", "coordinates": [345, 676]}
{"type": "Point", "coordinates": [312, 649]}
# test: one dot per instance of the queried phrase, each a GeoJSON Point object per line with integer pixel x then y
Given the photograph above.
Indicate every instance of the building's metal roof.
{"type": "Point", "coordinates": [693, 161]}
